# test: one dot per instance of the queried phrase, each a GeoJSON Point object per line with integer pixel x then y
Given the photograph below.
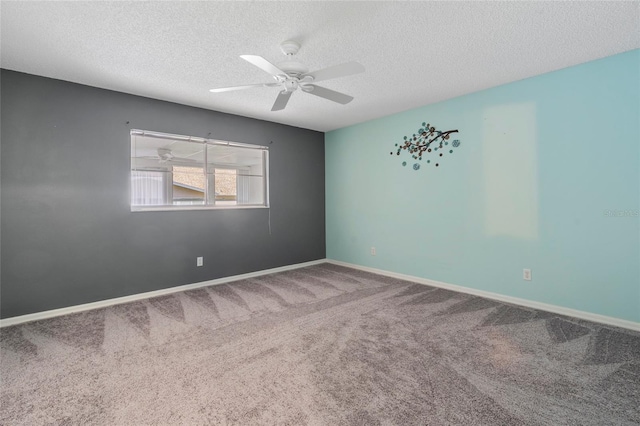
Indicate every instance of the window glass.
{"type": "Point", "coordinates": [169, 171]}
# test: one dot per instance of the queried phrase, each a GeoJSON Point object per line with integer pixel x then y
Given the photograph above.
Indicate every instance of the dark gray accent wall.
{"type": "Point", "coordinates": [68, 235]}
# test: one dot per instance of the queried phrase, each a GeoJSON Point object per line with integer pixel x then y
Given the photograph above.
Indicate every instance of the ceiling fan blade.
{"type": "Point", "coordinates": [336, 71]}
{"type": "Point", "coordinates": [264, 65]}
{"type": "Point", "coordinates": [248, 86]}
{"type": "Point", "coordinates": [323, 92]}
{"type": "Point", "coordinates": [281, 100]}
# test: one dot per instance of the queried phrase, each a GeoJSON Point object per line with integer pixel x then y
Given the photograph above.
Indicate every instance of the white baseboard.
{"type": "Point", "coordinates": [617, 322]}
{"type": "Point", "coordinates": [118, 300]}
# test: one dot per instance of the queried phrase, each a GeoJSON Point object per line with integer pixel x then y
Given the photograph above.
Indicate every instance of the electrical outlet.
{"type": "Point", "coordinates": [199, 261]}
{"type": "Point", "coordinates": [526, 274]}
{"type": "Point", "coordinates": [373, 251]}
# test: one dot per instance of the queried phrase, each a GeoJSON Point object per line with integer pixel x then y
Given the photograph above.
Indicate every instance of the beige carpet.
{"type": "Point", "coordinates": [323, 345]}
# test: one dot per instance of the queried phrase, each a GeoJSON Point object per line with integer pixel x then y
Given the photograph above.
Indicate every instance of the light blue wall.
{"type": "Point", "coordinates": [540, 162]}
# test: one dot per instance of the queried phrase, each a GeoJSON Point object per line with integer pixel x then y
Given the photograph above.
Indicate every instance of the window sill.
{"type": "Point", "coordinates": [137, 209]}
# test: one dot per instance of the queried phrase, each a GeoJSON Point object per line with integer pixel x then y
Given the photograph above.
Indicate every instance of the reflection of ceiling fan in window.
{"type": "Point", "coordinates": [165, 155]}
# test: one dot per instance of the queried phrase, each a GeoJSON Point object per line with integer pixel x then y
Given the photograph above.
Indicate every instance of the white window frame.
{"type": "Point", "coordinates": [207, 198]}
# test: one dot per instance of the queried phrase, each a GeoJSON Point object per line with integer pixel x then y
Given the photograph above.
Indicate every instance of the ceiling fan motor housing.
{"type": "Point", "coordinates": [292, 67]}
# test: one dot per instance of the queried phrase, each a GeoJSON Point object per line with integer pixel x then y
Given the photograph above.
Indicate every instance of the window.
{"type": "Point", "coordinates": [172, 172]}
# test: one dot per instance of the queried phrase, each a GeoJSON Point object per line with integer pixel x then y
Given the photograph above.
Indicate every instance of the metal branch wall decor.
{"type": "Point", "coordinates": [428, 142]}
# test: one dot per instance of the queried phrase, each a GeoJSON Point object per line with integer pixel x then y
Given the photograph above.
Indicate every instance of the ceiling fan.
{"type": "Point", "coordinates": [291, 75]}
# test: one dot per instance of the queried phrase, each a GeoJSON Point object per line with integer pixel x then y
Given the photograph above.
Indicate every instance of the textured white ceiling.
{"type": "Point", "coordinates": [415, 53]}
